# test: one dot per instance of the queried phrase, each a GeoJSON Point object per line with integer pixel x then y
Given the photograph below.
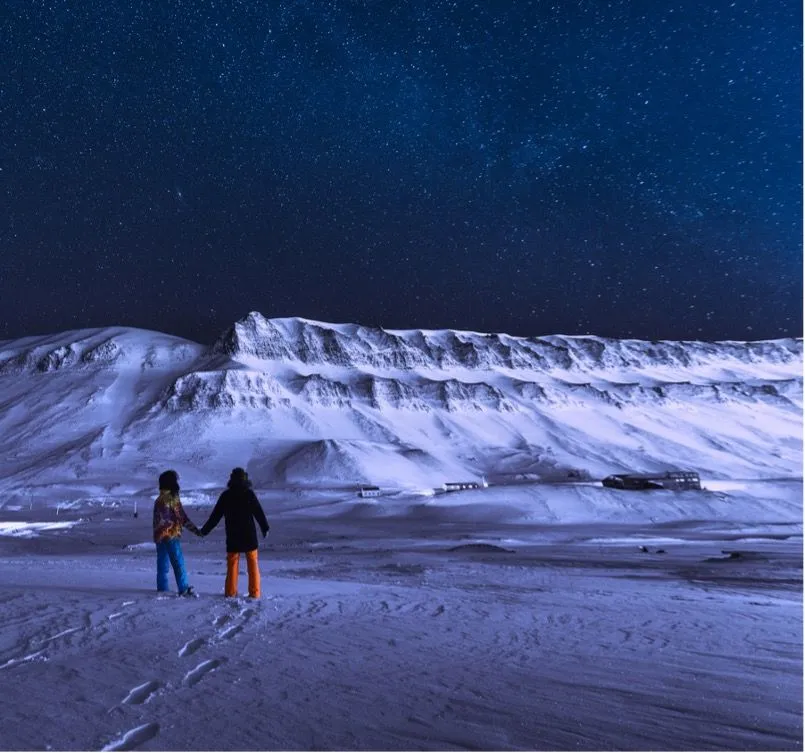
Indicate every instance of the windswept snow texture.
{"type": "Point", "coordinates": [430, 628]}
{"type": "Point", "coordinates": [541, 612]}
{"type": "Point", "coordinates": [323, 405]}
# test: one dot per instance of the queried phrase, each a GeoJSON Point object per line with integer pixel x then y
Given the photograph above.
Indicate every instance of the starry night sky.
{"type": "Point", "coordinates": [614, 167]}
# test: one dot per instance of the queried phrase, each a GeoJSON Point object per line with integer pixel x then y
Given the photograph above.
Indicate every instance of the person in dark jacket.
{"type": "Point", "coordinates": [240, 508]}
{"type": "Point", "coordinates": [169, 519]}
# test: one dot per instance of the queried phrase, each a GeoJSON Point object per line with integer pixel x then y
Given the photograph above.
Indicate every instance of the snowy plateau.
{"type": "Point", "coordinates": [539, 611]}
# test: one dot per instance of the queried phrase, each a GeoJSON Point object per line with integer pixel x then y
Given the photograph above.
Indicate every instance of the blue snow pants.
{"type": "Point", "coordinates": [169, 552]}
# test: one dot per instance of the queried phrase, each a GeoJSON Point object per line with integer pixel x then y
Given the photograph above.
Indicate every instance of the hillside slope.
{"type": "Point", "coordinates": [311, 403]}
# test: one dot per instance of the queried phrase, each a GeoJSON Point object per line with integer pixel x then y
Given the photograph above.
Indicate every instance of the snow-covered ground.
{"type": "Point", "coordinates": [513, 618]}
{"type": "Point", "coordinates": [544, 612]}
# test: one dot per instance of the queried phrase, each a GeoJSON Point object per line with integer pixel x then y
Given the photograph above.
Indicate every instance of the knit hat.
{"type": "Point", "coordinates": [169, 480]}
{"type": "Point", "coordinates": [239, 478]}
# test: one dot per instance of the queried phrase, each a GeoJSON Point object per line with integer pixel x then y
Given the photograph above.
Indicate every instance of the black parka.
{"type": "Point", "coordinates": [239, 507]}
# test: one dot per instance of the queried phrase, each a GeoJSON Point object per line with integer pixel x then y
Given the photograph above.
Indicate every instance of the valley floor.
{"type": "Point", "coordinates": [390, 637]}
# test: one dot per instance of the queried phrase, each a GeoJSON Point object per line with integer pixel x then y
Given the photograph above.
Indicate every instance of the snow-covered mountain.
{"type": "Point", "coordinates": [301, 402]}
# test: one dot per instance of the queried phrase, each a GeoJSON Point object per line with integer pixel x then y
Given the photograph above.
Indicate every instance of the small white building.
{"type": "Point", "coordinates": [369, 491]}
{"type": "Point", "coordinates": [457, 486]}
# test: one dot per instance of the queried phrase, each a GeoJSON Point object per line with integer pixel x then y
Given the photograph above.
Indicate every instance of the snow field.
{"type": "Point", "coordinates": [395, 634]}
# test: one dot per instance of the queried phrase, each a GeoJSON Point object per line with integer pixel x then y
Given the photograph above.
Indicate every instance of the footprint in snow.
{"type": "Point", "coordinates": [316, 606]}
{"type": "Point", "coordinates": [142, 693]}
{"type": "Point", "coordinates": [221, 621]}
{"type": "Point", "coordinates": [23, 659]}
{"type": "Point", "coordinates": [230, 632]}
{"type": "Point", "coordinates": [134, 737]}
{"type": "Point", "coordinates": [191, 647]}
{"type": "Point", "coordinates": [196, 675]}
{"type": "Point", "coordinates": [59, 635]}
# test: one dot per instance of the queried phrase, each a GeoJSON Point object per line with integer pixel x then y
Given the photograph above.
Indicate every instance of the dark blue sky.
{"type": "Point", "coordinates": [623, 168]}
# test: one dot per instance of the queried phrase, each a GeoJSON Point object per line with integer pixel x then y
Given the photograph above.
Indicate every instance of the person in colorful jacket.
{"type": "Point", "coordinates": [169, 519]}
{"type": "Point", "coordinates": [240, 508]}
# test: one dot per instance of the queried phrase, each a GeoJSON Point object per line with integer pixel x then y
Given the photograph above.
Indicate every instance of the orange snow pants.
{"type": "Point", "coordinates": [232, 567]}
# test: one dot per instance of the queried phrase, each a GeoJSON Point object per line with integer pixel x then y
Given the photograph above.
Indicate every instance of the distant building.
{"type": "Point", "coordinates": [369, 491]}
{"type": "Point", "coordinates": [457, 486]}
{"type": "Point", "coordinates": [674, 480]}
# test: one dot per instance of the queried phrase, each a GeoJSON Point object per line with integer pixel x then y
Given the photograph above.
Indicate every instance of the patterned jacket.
{"type": "Point", "coordinates": [169, 517]}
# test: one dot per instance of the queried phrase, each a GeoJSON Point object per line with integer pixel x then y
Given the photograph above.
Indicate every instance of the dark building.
{"type": "Point", "coordinates": [674, 480]}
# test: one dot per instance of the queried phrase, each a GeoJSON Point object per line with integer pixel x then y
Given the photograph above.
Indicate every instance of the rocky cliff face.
{"type": "Point", "coordinates": [388, 403]}
{"type": "Point", "coordinates": [351, 346]}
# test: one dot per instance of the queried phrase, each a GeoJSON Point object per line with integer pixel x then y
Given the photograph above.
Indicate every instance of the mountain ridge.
{"type": "Point", "coordinates": [255, 337]}
{"type": "Point", "coordinates": [293, 396]}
